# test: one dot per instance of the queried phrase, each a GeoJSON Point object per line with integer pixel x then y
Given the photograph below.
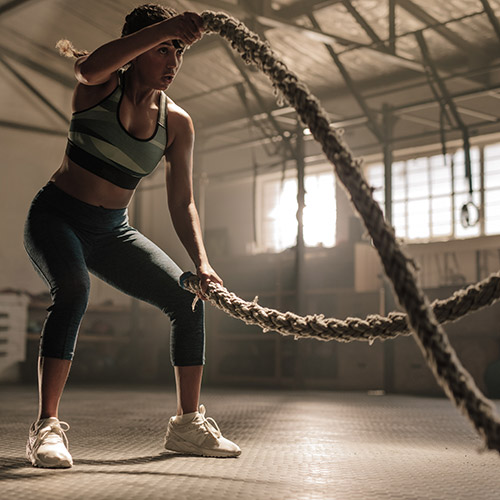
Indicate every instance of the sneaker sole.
{"type": "Point", "coordinates": [60, 465]}
{"type": "Point", "coordinates": [36, 462]}
{"type": "Point", "coordinates": [186, 447]}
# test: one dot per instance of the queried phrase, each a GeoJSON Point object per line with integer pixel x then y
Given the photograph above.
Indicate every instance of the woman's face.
{"type": "Point", "coordinates": [157, 67]}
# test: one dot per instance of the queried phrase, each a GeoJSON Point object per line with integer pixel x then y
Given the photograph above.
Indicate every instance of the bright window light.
{"type": "Point", "coordinates": [282, 217]}
{"type": "Point", "coordinates": [278, 211]}
{"type": "Point", "coordinates": [320, 212]}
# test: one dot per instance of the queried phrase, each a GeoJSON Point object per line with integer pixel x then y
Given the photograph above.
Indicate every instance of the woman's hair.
{"type": "Point", "coordinates": [146, 15]}
{"type": "Point", "coordinates": [140, 17]}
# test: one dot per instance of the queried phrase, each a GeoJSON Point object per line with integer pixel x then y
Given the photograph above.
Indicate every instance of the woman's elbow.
{"type": "Point", "coordinates": [81, 71]}
{"type": "Point", "coordinates": [86, 74]}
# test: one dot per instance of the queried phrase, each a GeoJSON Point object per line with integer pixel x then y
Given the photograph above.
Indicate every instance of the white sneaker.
{"type": "Point", "coordinates": [47, 444]}
{"type": "Point", "coordinates": [197, 435]}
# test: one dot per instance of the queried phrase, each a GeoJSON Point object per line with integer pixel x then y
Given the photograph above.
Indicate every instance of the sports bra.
{"type": "Point", "coordinates": [99, 143]}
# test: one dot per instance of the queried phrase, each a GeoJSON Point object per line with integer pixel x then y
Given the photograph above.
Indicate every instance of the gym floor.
{"type": "Point", "coordinates": [295, 445]}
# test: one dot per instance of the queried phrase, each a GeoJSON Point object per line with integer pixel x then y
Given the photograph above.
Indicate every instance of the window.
{"type": "Point", "coordinates": [492, 193]}
{"type": "Point", "coordinates": [277, 204]}
{"type": "Point", "coordinates": [429, 193]}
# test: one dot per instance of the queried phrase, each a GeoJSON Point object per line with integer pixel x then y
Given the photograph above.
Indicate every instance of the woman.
{"type": "Point", "coordinates": [122, 124]}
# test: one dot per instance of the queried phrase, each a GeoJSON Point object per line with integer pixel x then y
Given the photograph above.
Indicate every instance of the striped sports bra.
{"type": "Point", "coordinates": [98, 142]}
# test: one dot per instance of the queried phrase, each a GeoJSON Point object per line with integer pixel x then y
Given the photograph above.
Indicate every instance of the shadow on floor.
{"type": "Point", "coordinates": [9, 466]}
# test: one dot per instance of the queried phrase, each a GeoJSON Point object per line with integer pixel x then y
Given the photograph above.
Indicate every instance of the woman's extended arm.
{"type": "Point", "coordinates": [98, 66]}
{"type": "Point", "coordinates": [180, 195]}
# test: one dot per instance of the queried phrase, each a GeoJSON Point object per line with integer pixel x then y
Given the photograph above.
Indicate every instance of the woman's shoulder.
{"type": "Point", "coordinates": [177, 115]}
{"type": "Point", "coordinates": [175, 109]}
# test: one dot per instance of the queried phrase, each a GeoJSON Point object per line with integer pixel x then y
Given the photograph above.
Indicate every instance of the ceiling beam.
{"type": "Point", "coordinates": [30, 44]}
{"type": "Point", "coordinates": [32, 128]}
{"type": "Point", "coordinates": [464, 96]}
{"type": "Point", "coordinates": [447, 99]}
{"type": "Point", "coordinates": [12, 5]}
{"type": "Point", "coordinates": [301, 7]}
{"type": "Point", "coordinates": [238, 123]}
{"type": "Point", "coordinates": [231, 8]}
{"type": "Point", "coordinates": [420, 121]}
{"type": "Point", "coordinates": [493, 92]}
{"type": "Point", "coordinates": [437, 79]}
{"type": "Point", "coordinates": [378, 89]}
{"type": "Point", "coordinates": [491, 16]}
{"type": "Point", "coordinates": [477, 114]}
{"type": "Point", "coordinates": [240, 87]}
{"type": "Point", "coordinates": [205, 93]}
{"type": "Point", "coordinates": [419, 13]}
{"type": "Point", "coordinates": [296, 9]}
{"type": "Point", "coordinates": [328, 38]}
{"type": "Point", "coordinates": [43, 69]}
{"type": "Point", "coordinates": [434, 134]}
{"type": "Point", "coordinates": [313, 33]}
{"type": "Point", "coordinates": [429, 134]}
{"type": "Point", "coordinates": [34, 90]}
{"type": "Point", "coordinates": [245, 144]}
{"type": "Point", "coordinates": [206, 44]}
{"type": "Point", "coordinates": [242, 69]}
{"type": "Point", "coordinates": [373, 125]}
{"type": "Point", "coordinates": [362, 22]}
{"type": "Point", "coordinates": [281, 19]}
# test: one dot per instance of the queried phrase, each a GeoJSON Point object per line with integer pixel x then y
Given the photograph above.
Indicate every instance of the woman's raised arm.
{"type": "Point", "coordinates": [97, 67]}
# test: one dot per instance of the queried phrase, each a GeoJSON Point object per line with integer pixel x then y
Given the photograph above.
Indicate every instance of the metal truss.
{"type": "Point", "coordinates": [262, 16]}
{"type": "Point", "coordinates": [262, 13]}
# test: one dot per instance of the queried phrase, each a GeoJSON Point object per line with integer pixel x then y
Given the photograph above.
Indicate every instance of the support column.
{"type": "Point", "coordinates": [387, 302]}
{"type": "Point", "coordinates": [482, 200]}
{"type": "Point", "coordinates": [300, 354]}
{"type": "Point", "coordinates": [300, 249]}
{"type": "Point", "coordinates": [388, 123]}
{"type": "Point", "coordinates": [392, 26]}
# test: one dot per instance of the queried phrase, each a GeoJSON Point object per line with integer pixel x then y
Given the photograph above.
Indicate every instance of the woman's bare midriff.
{"type": "Point", "coordinates": [90, 188]}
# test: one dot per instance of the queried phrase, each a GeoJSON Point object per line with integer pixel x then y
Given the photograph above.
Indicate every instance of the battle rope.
{"type": "Point", "coordinates": [316, 326]}
{"type": "Point", "coordinates": [449, 372]}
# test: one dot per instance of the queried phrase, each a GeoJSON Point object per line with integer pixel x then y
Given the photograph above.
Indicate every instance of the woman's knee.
{"type": "Point", "coordinates": [71, 291]}
{"type": "Point", "coordinates": [69, 303]}
{"type": "Point", "coordinates": [182, 304]}
{"type": "Point", "coordinates": [187, 337]}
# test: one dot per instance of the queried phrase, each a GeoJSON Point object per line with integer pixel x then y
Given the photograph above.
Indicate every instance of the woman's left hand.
{"type": "Point", "coordinates": [206, 274]}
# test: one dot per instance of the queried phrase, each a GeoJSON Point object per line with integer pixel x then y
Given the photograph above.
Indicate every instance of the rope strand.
{"type": "Point", "coordinates": [457, 383]}
{"type": "Point", "coordinates": [373, 327]}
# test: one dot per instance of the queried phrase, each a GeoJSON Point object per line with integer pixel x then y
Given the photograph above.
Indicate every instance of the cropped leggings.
{"type": "Point", "coordinates": [66, 238]}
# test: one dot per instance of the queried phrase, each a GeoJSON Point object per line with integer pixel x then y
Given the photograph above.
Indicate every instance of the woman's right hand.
{"type": "Point", "coordinates": [187, 27]}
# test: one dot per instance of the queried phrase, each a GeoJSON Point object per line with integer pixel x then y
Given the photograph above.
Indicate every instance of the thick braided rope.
{"type": "Point", "coordinates": [316, 326]}
{"type": "Point", "coordinates": [432, 340]}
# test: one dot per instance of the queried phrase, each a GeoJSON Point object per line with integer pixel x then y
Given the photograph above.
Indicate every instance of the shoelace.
{"type": "Point", "coordinates": [52, 433]}
{"type": "Point", "coordinates": [208, 425]}
{"type": "Point", "coordinates": [212, 427]}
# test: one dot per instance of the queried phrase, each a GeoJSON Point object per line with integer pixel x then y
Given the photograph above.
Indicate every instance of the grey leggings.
{"type": "Point", "coordinates": [66, 238]}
